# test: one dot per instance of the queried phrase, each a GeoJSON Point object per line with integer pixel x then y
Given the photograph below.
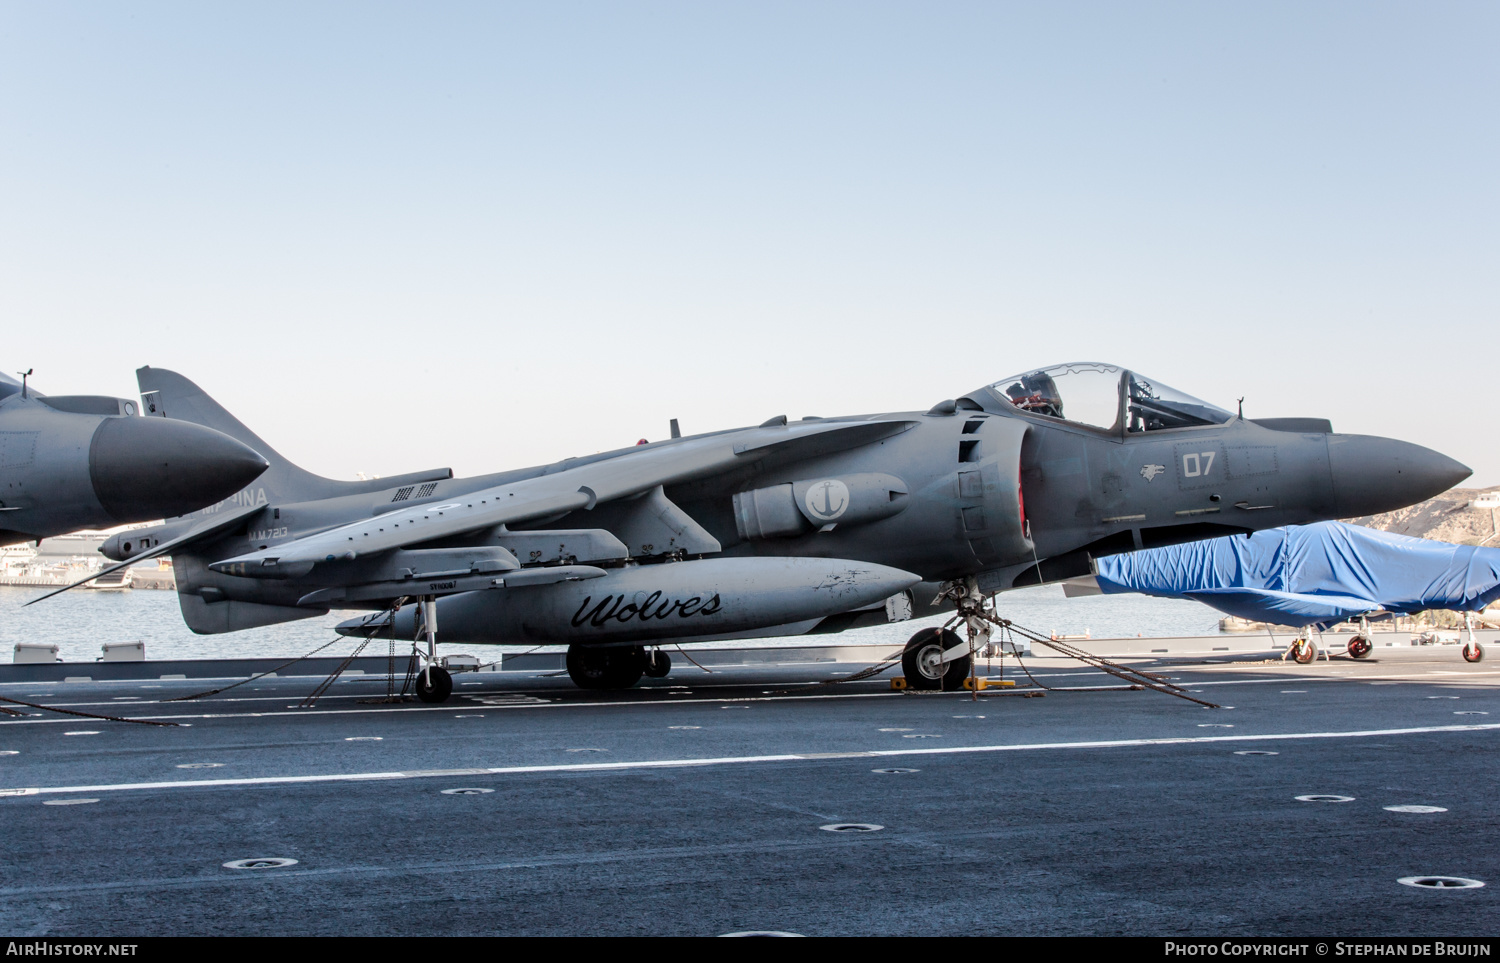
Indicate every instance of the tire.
{"type": "Point", "coordinates": [1473, 652]}
{"type": "Point", "coordinates": [441, 688]}
{"type": "Point", "coordinates": [920, 661]}
{"type": "Point", "coordinates": [658, 664]}
{"type": "Point", "coordinates": [606, 667]}
{"type": "Point", "coordinates": [1306, 653]}
{"type": "Point", "coordinates": [1359, 647]}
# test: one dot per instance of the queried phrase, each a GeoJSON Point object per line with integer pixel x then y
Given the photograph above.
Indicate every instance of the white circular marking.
{"type": "Point", "coordinates": [1294, 692]}
{"type": "Point", "coordinates": [1415, 809]}
{"type": "Point", "coordinates": [1255, 752]}
{"type": "Point", "coordinates": [1471, 712]}
{"type": "Point", "coordinates": [10, 752]}
{"type": "Point", "coordinates": [466, 792]}
{"type": "Point", "coordinates": [1442, 697]}
{"type": "Point", "coordinates": [852, 828]}
{"type": "Point", "coordinates": [1440, 882]}
{"type": "Point", "coordinates": [1320, 797]}
{"type": "Point", "coordinates": [763, 933]}
{"type": "Point", "coordinates": [1215, 725]}
{"type": "Point", "coordinates": [68, 802]}
{"type": "Point", "coordinates": [199, 765]}
{"type": "Point", "coordinates": [469, 715]}
{"type": "Point", "coordinates": [890, 772]}
{"type": "Point", "coordinates": [364, 738]}
{"type": "Point", "coordinates": [729, 707]}
{"type": "Point", "coordinates": [269, 862]}
{"type": "Point", "coordinates": [684, 727]}
{"type": "Point", "coordinates": [82, 732]}
{"type": "Point", "coordinates": [968, 717]}
{"type": "Point", "coordinates": [826, 500]}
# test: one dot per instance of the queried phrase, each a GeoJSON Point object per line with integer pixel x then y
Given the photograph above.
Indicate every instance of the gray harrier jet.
{"type": "Point", "coordinates": [788, 527]}
{"type": "Point", "coordinates": [90, 461]}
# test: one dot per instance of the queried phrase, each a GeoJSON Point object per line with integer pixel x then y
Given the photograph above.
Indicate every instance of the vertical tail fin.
{"type": "Point", "coordinates": [167, 394]}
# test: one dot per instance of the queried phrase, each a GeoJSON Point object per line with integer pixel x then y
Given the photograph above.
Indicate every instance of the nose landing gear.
{"type": "Point", "coordinates": [923, 664]}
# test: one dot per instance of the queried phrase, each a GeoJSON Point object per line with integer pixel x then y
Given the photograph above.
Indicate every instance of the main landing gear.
{"type": "Point", "coordinates": [924, 665]}
{"type": "Point", "coordinates": [613, 666]}
{"type": "Point", "coordinates": [1359, 647]}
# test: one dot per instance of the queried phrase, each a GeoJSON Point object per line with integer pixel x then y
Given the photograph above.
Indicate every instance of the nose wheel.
{"type": "Point", "coordinates": [1473, 652]}
{"type": "Point", "coordinates": [922, 661]}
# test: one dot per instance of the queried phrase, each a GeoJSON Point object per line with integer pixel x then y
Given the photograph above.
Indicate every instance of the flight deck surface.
{"type": "Point", "coordinates": [697, 805]}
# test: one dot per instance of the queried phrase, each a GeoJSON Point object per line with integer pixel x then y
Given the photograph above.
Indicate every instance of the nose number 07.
{"type": "Point", "coordinates": [1197, 463]}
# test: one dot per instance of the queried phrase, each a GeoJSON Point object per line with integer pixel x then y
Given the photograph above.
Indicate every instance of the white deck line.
{"type": "Point", "coordinates": [739, 760]}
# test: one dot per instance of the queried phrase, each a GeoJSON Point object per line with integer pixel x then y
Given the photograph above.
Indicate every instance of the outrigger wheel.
{"type": "Point", "coordinates": [606, 667]}
{"type": "Point", "coordinates": [1473, 652]}
{"type": "Point", "coordinates": [1304, 651]}
{"type": "Point", "coordinates": [1359, 647]}
{"type": "Point", "coordinates": [923, 665]}
{"type": "Point", "coordinates": [441, 687]}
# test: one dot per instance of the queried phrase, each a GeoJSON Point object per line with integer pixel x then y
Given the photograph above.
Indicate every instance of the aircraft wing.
{"type": "Point", "coordinates": [631, 473]}
{"type": "Point", "coordinates": [206, 529]}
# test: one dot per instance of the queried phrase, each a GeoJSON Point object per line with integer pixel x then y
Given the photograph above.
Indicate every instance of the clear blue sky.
{"type": "Point", "coordinates": [487, 235]}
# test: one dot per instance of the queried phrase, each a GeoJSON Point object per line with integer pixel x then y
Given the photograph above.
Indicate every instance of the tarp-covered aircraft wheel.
{"type": "Point", "coordinates": [440, 688]}
{"type": "Point", "coordinates": [1305, 652]}
{"type": "Point", "coordinates": [658, 664]}
{"type": "Point", "coordinates": [1473, 652]}
{"type": "Point", "coordinates": [923, 665]}
{"type": "Point", "coordinates": [606, 667]}
{"type": "Point", "coordinates": [1359, 647]}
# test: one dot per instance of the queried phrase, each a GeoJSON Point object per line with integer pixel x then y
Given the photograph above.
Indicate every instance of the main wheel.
{"type": "Point", "coordinates": [1359, 647]}
{"type": "Point", "coordinates": [658, 664]}
{"type": "Point", "coordinates": [440, 688]}
{"type": "Point", "coordinates": [1305, 652]}
{"type": "Point", "coordinates": [1473, 652]}
{"type": "Point", "coordinates": [606, 667]}
{"type": "Point", "coordinates": [923, 665]}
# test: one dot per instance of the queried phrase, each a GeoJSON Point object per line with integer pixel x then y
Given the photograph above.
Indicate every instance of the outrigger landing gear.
{"type": "Point", "coordinates": [434, 684]}
{"type": "Point", "coordinates": [923, 664]}
{"type": "Point", "coordinates": [606, 667]}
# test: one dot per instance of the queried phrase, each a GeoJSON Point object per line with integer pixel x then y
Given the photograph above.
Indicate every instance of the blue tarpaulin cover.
{"type": "Point", "coordinates": [1312, 574]}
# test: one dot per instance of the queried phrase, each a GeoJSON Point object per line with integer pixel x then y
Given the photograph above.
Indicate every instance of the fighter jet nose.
{"type": "Point", "coordinates": [1373, 475]}
{"type": "Point", "coordinates": [146, 468]}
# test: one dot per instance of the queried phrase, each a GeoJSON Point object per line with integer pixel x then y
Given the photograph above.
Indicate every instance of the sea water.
{"type": "Point", "coordinates": [81, 620]}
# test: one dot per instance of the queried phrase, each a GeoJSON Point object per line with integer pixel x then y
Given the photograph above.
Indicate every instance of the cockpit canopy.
{"type": "Point", "coordinates": [1098, 395]}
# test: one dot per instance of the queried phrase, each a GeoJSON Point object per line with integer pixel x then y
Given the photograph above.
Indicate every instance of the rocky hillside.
{"type": "Point", "coordinates": [1446, 518]}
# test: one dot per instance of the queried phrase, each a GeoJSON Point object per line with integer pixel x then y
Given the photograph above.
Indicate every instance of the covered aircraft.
{"type": "Point", "coordinates": [91, 461]}
{"type": "Point", "coordinates": [1311, 575]}
{"type": "Point", "coordinates": [787, 527]}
